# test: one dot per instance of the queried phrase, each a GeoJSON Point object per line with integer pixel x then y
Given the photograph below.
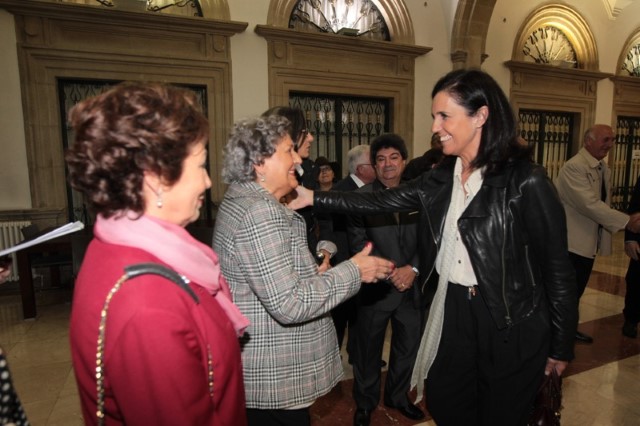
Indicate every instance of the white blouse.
{"type": "Point", "coordinates": [461, 271]}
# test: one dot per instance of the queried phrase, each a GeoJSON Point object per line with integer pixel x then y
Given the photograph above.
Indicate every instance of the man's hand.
{"type": "Point", "coordinates": [632, 249]}
{"type": "Point", "coordinates": [402, 278]}
{"type": "Point", "coordinates": [5, 268]}
{"type": "Point", "coordinates": [634, 223]}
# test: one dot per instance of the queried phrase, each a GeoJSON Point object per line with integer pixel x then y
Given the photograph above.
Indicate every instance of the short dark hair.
{"type": "Point", "coordinates": [125, 131]}
{"type": "Point", "coordinates": [296, 119]}
{"type": "Point", "coordinates": [388, 140]}
{"type": "Point", "coordinates": [472, 89]}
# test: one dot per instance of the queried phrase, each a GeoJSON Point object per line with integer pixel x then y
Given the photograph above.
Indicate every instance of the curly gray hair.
{"type": "Point", "coordinates": [250, 143]}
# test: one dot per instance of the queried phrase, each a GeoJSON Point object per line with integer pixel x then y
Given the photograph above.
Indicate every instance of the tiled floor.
{"type": "Point", "coordinates": [601, 387]}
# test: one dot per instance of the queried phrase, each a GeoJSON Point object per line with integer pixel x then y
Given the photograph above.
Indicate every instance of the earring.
{"type": "Point", "coordinates": [159, 200]}
{"type": "Point", "coordinates": [261, 178]}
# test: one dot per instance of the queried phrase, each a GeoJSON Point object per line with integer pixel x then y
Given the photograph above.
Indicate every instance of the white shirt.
{"type": "Point", "coordinates": [357, 180]}
{"type": "Point", "coordinates": [461, 270]}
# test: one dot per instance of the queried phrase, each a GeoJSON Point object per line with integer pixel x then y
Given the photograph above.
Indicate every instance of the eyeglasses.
{"type": "Point", "coordinates": [325, 169]}
{"type": "Point", "coordinates": [304, 132]}
{"type": "Point", "coordinates": [364, 164]}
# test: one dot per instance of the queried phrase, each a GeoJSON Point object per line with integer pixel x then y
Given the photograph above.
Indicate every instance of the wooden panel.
{"type": "Point", "coordinates": [126, 40]}
{"type": "Point", "coordinates": [59, 40]}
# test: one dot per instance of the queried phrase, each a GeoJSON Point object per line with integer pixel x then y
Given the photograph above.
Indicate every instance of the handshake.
{"type": "Point", "coordinates": [634, 223]}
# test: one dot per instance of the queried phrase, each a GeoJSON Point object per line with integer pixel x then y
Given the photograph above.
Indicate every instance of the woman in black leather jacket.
{"type": "Point", "coordinates": [495, 242]}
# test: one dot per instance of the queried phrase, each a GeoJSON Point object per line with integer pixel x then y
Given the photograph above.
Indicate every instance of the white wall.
{"type": "Point", "coordinates": [249, 59]}
{"type": "Point", "coordinates": [431, 24]}
{"type": "Point", "coordinates": [14, 175]}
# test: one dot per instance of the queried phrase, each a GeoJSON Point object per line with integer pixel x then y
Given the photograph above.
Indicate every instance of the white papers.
{"type": "Point", "coordinates": [58, 232]}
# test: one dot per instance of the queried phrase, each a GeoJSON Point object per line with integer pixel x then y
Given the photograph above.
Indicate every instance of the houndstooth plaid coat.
{"type": "Point", "coordinates": [290, 353]}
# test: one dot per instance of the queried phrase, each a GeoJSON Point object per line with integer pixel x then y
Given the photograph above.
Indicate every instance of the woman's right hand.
{"type": "Point", "coordinates": [372, 268]}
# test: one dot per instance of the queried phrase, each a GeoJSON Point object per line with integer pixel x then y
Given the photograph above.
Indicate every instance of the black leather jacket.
{"type": "Point", "coordinates": [514, 230]}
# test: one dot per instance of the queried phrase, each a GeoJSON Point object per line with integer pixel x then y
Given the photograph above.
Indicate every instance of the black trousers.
{"type": "Point", "coordinates": [299, 417]}
{"type": "Point", "coordinates": [344, 315]}
{"type": "Point", "coordinates": [583, 266]}
{"type": "Point", "coordinates": [482, 375]}
{"type": "Point", "coordinates": [632, 297]}
{"type": "Point", "coordinates": [406, 320]}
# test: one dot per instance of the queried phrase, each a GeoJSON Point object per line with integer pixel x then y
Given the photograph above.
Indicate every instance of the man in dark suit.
{"type": "Point", "coordinates": [631, 309]}
{"type": "Point", "coordinates": [426, 161]}
{"type": "Point", "coordinates": [361, 172]}
{"type": "Point", "coordinates": [396, 299]}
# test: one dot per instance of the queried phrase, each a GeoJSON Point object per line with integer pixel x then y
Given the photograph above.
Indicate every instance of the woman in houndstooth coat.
{"type": "Point", "coordinates": [289, 352]}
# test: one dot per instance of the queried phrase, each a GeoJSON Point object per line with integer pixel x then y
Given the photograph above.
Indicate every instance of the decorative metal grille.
{"type": "Point", "coordinates": [625, 168]}
{"type": "Point", "coordinates": [70, 92]}
{"type": "Point", "coordinates": [549, 45]}
{"type": "Point", "coordinates": [340, 123]}
{"type": "Point", "coordinates": [632, 61]}
{"type": "Point", "coordinates": [550, 133]}
{"type": "Point", "coordinates": [357, 18]}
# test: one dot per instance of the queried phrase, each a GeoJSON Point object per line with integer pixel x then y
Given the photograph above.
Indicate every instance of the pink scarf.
{"type": "Point", "coordinates": [177, 248]}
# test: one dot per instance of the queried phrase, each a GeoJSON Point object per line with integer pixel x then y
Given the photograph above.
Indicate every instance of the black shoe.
{"type": "Point", "coordinates": [410, 411]}
{"type": "Point", "coordinates": [583, 337]}
{"type": "Point", "coordinates": [362, 417]}
{"type": "Point", "coordinates": [630, 330]}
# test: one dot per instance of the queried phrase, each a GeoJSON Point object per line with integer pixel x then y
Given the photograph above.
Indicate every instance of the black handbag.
{"type": "Point", "coordinates": [548, 403]}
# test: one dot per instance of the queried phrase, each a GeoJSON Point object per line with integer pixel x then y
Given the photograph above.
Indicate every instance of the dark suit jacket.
{"type": "Point", "coordinates": [391, 240]}
{"type": "Point", "coordinates": [307, 180]}
{"type": "Point", "coordinates": [634, 207]}
{"type": "Point", "coordinates": [422, 164]}
{"type": "Point", "coordinates": [335, 229]}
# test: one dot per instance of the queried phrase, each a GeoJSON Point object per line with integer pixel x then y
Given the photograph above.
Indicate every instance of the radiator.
{"type": "Point", "coordinates": [10, 235]}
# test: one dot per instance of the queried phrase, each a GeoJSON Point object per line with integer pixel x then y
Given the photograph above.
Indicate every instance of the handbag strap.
{"type": "Point", "coordinates": [130, 272]}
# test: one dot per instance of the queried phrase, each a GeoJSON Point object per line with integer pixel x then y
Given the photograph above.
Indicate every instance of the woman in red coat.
{"type": "Point", "coordinates": [168, 351]}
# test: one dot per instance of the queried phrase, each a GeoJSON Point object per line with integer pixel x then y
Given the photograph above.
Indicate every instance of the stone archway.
{"type": "Point", "coordinates": [469, 34]}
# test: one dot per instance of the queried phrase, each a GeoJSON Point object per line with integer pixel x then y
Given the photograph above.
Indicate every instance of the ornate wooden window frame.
{"type": "Point", "coordinates": [394, 12]}
{"type": "Point", "coordinates": [62, 40]}
{"type": "Point", "coordinates": [626, 99]}
{"type": "Point", "coordinates": [546, 87]}
{"type": "Point", "coordinates": [337, 64]}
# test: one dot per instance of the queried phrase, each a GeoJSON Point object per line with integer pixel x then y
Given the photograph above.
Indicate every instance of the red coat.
{"type": "Point", "coordinates": [156, 347]}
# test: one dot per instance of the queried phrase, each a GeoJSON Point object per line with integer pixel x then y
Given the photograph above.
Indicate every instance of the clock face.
{"type": "Point", "coordinates": [549, 45]}
{"type": "Point", "coordinates": [632, 61]}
